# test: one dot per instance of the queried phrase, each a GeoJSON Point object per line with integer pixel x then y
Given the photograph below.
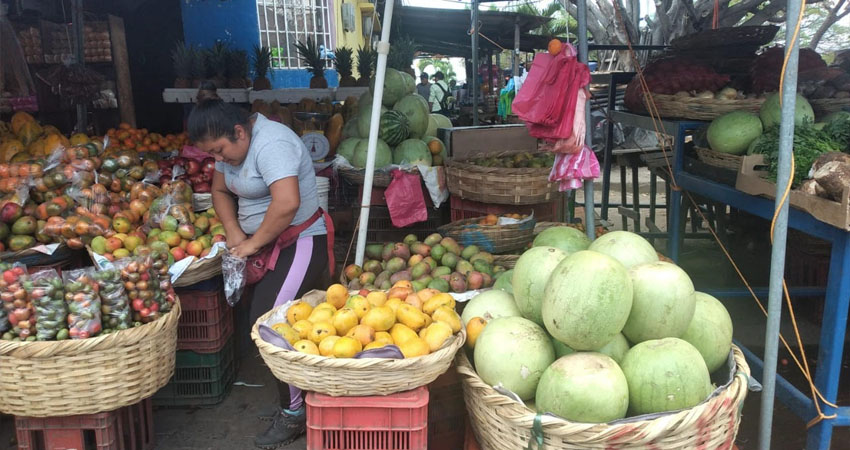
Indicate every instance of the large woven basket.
{"type": "Point", "coordinates": [31, 257]}
{"type": "Point", "coordinates": [381, 178]}
{"type": "Point", "coordinates": [490, 238]}
{"type": "Point", "coordinates": [693, 108]}
{"type": "Point", "coordinates": [514, 186]}
{"type": "Point", "coordinates": [718, 159]}
{"type": "Point", "coordinates": [506, 261]}
{"type": "Point", "coordinates": [355, 377]}
{"type": "Point", "coordinates": [501, 423]}
{"type": "Point", "coordinates": [824, 106]}
{"type": "Point", "coordinates": [88, 376]}
{"type": "Point", "coordinates": [199, 270]}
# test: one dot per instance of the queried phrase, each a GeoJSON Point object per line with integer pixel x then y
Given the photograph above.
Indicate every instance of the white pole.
{"type": "Point", "coordinates": [380, 73]}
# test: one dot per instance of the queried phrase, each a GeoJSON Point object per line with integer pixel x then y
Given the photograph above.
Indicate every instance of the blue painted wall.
{"type": "Point", "coordinates": [235, 22]}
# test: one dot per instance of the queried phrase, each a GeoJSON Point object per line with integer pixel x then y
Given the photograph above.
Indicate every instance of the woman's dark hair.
{"type": "Point", "coordinates": [214, 119]}
{"type": "Point", "coordinates": [206, 91]}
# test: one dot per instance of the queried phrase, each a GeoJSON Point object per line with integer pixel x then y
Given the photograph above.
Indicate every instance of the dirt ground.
{"type": "Point", "coordinates": [232, 424]}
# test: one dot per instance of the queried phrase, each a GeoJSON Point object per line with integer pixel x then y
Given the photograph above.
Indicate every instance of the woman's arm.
{"type": "Point", "coordinates": [285, 202]}
{"type": "Point", "coordinates": [225, 208]}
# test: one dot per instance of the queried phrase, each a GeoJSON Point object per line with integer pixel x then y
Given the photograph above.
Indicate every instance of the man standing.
{"type": "Point", "coordinates": [439, 95]}
{"type": "Point", "coordinates": [424, 87]}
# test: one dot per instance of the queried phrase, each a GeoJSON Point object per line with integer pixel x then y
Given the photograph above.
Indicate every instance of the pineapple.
{"type": "Point", "coordinates": [401, 55]}
{"type": "Point", "coordinates": [311, 57]}
{"type": "Point", "coordinates": [343, 67]}
{"type": "Point", "coordinates": [217, 58]}
{"type": "Point", "coordinates": [262, 60]}
{"type": "Point", "coordinates": [181, 56]}
{"type": "Point", "coordinates": [198, 65]}
{"type": "Point", "coordinates": [237, 69]}
{"type": "Point", "coordinates": [366, 60]}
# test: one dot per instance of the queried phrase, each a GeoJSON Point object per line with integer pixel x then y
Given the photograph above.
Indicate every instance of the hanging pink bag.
{"type": "Point", "coordinates": [405, 200]}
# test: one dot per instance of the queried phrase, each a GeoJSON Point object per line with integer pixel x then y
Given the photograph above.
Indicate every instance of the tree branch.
{"type": "Point", "coordinates": [832, 16]}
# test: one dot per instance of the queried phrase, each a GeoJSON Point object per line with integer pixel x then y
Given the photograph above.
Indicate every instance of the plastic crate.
{"type": "Point", "coordinates": [391, 422]}
{"type": "Point", "coordinates": [199, 379]}
{"type": "Point", "coordinates": [127, 428]}
{"type": "Point", "coordinates": [381, 228]}
{"type": "Point", "coordinates": [206, 322]}
{"type": "Point", "coordinates": [215, 283]}
{"type": "Point", "coordinates": [543, 212]}
{"type": "Point", "coordinates": [446, 411]}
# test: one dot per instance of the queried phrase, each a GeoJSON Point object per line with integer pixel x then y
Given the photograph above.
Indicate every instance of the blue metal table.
{"type": "Point", "coordinates": [837, 300]}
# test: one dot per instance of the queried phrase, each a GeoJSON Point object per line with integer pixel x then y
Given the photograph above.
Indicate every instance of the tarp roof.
{"type": "Point", "coordinates": [446, 31]}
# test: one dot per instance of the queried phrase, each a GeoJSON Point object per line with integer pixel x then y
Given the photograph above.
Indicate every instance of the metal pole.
{"type": "Point", "coordinates": [380, 73]}
{"type": "Point", "coordinates": [79, 55]}
{"type": "Point", "coordinates": [777, 256]}
{"type": "Point", "coordinates": [515, 55]}
{"type": "Point", "coordinates": [589, 219]}
{"type": "Point", "coordinates": [475, 87]}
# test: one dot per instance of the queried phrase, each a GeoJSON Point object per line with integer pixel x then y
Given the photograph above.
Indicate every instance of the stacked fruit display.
{"type": "Point", "coordinates": [407, 131]}
{"type": "Point", "coordinates": [437, 263]}
{"type": "Point", "coordinates": [125, 137]}
{"type": "Point", "coordinates": [24, 138]}
{"type": "Point", "coordinates": [197, 173]}
{"type": "Point", "coordinates": [418, 323]}
{"type": "Point", "coordinates": [604, 324]}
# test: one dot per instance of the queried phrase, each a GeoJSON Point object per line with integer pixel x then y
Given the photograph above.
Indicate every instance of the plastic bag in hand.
{"type": "Point", "coordinates": [233, 272]}
{"type": "Point", "coordinates": [15, 304]}
{"type": "Point", "coordinates": [81, 296]}
{"type": "Point", "coordinates": [114, 303]}
{"type": "Point", "coordinates": [47, 295]}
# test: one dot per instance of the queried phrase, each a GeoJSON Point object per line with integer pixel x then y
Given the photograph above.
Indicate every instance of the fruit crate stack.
{"type": "Point", "coordinates": [206, 361]}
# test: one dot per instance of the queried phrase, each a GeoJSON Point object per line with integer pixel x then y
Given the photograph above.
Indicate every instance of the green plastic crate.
{"type": "Point", "coordinates": [199, 379]}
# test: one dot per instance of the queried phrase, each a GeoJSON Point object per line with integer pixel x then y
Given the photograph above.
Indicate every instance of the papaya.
{"type": "Point", "coordinates": [19, 119]}
{"type": "Point", "coordinates": [333, 131]}
{"type": "Point", "coordinates": [29, 132]}
{"type": "Point", "coordinates": [10, 148]}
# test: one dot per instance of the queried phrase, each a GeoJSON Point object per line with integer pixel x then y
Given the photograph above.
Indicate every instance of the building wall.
{"type": "Point", "coordinates": [351, 39]}
{"type": "Point", "coordinates": [235, 22]}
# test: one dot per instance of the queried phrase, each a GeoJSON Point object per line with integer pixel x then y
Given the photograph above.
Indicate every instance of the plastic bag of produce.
{"type": "Point", "coordinates": [233, 271]}
{"type": "Point", "coordinates": [159, 265]}
{"type": "Point", "coordinates": [114, 303]}
{"type": "Point", "coordinates": [16, 303]}
{"type": "Point", "coordinates": [83, 300]}
{"type": "Point", "coordinates": [142, 286]}
{"type": "Point", "coordinates": [46, 293]}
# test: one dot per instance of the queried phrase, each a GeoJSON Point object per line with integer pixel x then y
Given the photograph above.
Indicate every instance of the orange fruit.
{"type": "Point", "coordinates": [555, 46]}
{"type": "Point", "coordinates": [336, 295]}
{"type": "Point", "coordinates": [346, 347]}
{"type": "Point", "coordinates": [298, 311]}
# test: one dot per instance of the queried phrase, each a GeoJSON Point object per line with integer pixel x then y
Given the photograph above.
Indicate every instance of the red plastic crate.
{"type": "Point", "coordinates": [128, 428]}
{"type": "Point", "coordinates": [467, 209]}
{"type": "Point", "coordinates": [391, 422]}
{"type": "Point", "coordinates": [206, 322]}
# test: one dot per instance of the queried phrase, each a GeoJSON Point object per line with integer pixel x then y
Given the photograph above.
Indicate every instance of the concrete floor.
{"type": "Point", "coordinates": [232, 424]}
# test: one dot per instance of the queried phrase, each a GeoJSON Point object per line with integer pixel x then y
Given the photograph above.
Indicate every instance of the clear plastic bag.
{"type": "Point", "coordinates": [81, 296]}
{"type": "Point", "coordinates": [16, 308]}
{"type": "Point", "coordinates": [46, 293]}
{"type": "Point", "coordinates": [114, 303]}
{"type": "Point", "coordinates": [233, 271]}
{"type": "Point", "coordinates": [159, 265]}
{"type": "Point", "coordinates": [142, 286]}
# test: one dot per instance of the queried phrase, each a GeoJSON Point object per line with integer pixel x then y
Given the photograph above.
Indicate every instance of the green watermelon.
{"type": "Point", "coordinates": [394, 87]}
{"type": "Point", "coordinates": [436, 121]}
{"type": "Point", "coordinates": [349, 130]}
{"type": "Point", "coordinates": [383, 155]}
{"type": "Point", "coordinates": [409, 82]}
{"type": "Point", "coordinates": [364, 119]}
{"type": "Point", "coordinates": [394, 127]}
{"type": "Point", "coordinates": [412, 151]}
{"type": "Point", "coordinates": [346, 148]}
{"type": "Point", "coordinates": [415, 107]}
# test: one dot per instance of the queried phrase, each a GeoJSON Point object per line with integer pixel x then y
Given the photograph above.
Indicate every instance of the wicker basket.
{"type": "Point", "coordinates": [506, 261]}
{"type": "Point", "coordinates": [516, 186]}
{"type": "Point", "coordinates": [501, 423]}
{"type": "Point", "coordinates": [718, 159]}
{"type": "Point", "coordinates": [199, 270]}
{"type": "Point", "coordinates": [355, 377]}
{"type": "Point", "coordinates": [380, 179]}
{"type": "Point", "coordinates": [490, 238]}
{"type": "Point", "coordinates": [88, 376]}
{"type": "Point", "coordinates": [542, 226]}
{"type": "Point", "coordinates": [32, 257]}
{"type": "Point", "coordinates": [693, 108]}
{"type": "Point", "coordinates": [824, 106]}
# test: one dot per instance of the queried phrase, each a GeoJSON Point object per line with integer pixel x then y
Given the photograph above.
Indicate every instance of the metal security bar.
{"type": "Point", "coordinates": [283, 23]}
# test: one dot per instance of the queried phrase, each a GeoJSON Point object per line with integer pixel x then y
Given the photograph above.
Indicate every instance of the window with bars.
{"type": "Point", "coordinates": [283, 23]}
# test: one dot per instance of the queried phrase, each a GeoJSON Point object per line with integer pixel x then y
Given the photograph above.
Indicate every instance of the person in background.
{"type": "Point", "coordinates": [264, 191]}
{"type": "Point", "coordinates": [439, 94]}
{"type": "Point", "coordinates": [424, 87]}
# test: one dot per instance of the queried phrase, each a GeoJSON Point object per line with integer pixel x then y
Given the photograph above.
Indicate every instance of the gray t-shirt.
{"type": "Point", "coordinates": [275, 153]}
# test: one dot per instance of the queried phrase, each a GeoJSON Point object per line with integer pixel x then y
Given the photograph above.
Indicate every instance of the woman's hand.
{"type": "Point", "coordinates": [235, 238]}
{"type": "Point", "coordinates": [244, 249]}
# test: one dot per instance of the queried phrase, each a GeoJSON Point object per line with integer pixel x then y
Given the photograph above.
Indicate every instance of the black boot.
{"type": "Point", "coordinates": [285, 429]}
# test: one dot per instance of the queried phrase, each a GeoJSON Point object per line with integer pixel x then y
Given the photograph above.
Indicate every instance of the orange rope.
{"type": "Point", "coordinates": [652, 109]}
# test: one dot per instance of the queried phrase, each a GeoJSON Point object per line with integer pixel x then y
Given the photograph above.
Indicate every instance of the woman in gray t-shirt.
{"type": "Point", "coordinates": [264, 189]}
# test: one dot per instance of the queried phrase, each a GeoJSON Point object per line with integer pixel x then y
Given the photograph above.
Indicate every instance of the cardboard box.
{"type": "Point", "coordinates": [464, 142]}
{"type": "Point", "coordinates": [750, 180]}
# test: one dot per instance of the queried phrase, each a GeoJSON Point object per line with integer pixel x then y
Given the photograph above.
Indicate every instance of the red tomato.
{"type": "Point", "coordinates": [138, 304]}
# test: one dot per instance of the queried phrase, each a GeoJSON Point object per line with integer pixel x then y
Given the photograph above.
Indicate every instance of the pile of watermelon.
{"type": "Point", "coordinates": [598, 331]}
{"type": "Point", "coordinates": [407, 131]}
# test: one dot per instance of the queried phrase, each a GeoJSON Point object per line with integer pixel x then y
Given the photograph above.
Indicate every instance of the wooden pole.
{"type": "Point", "coordinates": [122, 70]}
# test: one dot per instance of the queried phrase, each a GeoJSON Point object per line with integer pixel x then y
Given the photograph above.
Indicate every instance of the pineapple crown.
{"type": "Point", "coordinates": [217, 59]}
{"type": "Point", "coordinates": [181, 56]}
{"type": "Point", "coordinates": [343, 61]}
{"type": "Point", "coordinates": [262, 61]}
{"type": "Point", "coordinates": [311, 57]}
{"type": "Point", "coordinates": [366, 60]}
{"type": "Point", "coordinates": [402, 53]}
{"type": "Point", "coordinates": [198, 63]}
{"type": "Point", "coordinates": [237, 64]}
